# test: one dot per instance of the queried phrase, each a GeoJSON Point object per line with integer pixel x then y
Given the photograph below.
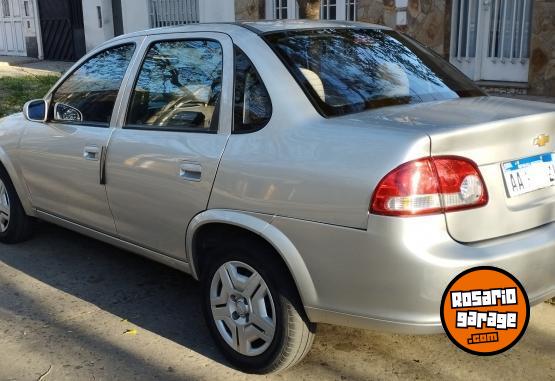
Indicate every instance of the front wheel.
{"type": "Point", "coordinates": [253, 312]}
{"type": "Point", "coordinates": [15, 225]}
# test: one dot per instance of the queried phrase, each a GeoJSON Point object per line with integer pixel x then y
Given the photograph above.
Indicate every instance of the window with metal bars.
{"type": "Point", "coordinates": [328, 10]}
{"type": "Point", "coordinates": [351, 10]}
{"type": "Point", "coordinates": [173, 12]}
{"type": "Point", "coordinates": [510, 28]}
{"type": "Point", "coordinates": [6, 8]}
{"type": "Point", "coordinates": [280, 9]}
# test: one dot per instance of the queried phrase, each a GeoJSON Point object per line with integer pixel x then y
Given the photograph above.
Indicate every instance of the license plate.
{"type": "Point", "coordinates": [529, 174]}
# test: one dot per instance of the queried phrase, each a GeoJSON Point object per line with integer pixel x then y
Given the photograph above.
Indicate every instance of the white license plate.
{"type": "Point", "coordinates": [529, 174]}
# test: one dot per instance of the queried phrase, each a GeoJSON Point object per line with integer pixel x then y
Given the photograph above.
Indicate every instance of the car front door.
{"type": "Point", "coordinates": [61, 159]}
{"type": "Point", "coordinates": [162, 162]}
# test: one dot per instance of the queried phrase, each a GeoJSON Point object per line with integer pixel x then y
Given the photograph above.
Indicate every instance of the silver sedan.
{"type": "Point", "coordinates": [303, 171]}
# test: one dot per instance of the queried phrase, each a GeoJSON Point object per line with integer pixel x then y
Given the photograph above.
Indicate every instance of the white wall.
{"type": "Point", "coordinates": [216, 10]}
{"type": "Point", "coordinates": [136, 17]}
{"type": "Point", "coordinates": [135, 14]}
{"type": "Point", "coordinates": [94, 34]}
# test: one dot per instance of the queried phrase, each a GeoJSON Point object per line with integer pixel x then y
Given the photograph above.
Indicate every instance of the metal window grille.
{"type": "Point", "coordinates": [351, 10]}
{"type": "Point", "coordinates": [280, 9]}
{"type": "Point", "coordinates": [6, 8]}
{"type": "Point", "coordinates": [509, 31]}
{"type": "Point", "coordinates": [510, 27]}
{"type": "Point", "coordinates": [328, 9]}
{"type": "Point", "coordinates": [173, 12]}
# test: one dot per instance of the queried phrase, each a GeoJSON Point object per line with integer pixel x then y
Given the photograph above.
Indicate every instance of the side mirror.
{"type": "Point", "coordinates": [36, 110]}
{"type": "Point", "coordinates": [187, 119]}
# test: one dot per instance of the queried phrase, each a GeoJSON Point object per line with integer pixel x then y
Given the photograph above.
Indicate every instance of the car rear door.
{"type": "Point", "coordinates": [61, 159]}
{"type": "Point", "coordinates": [162, 162]}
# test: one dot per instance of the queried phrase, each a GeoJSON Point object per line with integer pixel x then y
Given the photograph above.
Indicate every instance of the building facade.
{"type": "Point", "coordinates": [506, 44]}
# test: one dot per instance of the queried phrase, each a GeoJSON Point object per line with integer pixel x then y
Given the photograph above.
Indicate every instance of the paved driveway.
{"type": "Point", "coordinates": [66, 301]}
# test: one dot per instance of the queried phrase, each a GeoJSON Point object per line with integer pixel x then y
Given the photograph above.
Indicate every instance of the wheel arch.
{"type": "Point", "coordinates": [17, 181]}
{"type": "Point", "coordinates": [264, 230]}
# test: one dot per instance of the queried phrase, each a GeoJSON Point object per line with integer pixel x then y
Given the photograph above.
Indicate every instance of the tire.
{"type": "Point", "coordinates": [268, 301]}
{"type": "Point", "coordinates": [15, 225]}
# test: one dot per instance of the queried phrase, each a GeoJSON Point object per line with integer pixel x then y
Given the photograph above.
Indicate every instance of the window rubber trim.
{"type": "Point", "coordinates": [235, 70]}
{"type": "Point", "coordinates": [326, 111]}
{"type": "Point", "coordinates": [126, 126]}
{"type": "Point", "coordinates": [52, 92]}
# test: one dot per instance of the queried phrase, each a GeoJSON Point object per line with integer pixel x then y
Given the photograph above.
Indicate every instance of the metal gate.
{"type": "Point", "coordinates": [173, 12]}
{"type": "Point", "coordinates": [63, 35]}
{"type": "Point", "coordinates": [491, 39]}
{"type": "Point", "coordinates": [12, 41]}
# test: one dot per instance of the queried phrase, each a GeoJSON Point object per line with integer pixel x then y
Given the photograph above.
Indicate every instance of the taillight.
{"type": "Point", "coordinates": [430, 185]}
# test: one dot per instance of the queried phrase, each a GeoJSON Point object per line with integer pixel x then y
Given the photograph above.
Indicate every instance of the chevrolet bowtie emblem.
{"type": "Point", "coordinates": [541, 140]}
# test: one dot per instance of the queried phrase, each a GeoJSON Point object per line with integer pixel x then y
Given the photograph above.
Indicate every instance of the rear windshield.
{"type": "Point", "coordinates": [350, 70]}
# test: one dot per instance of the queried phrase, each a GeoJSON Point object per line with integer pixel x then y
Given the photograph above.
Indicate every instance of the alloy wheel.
{"type": "Point", "coordinates": [243, 308]}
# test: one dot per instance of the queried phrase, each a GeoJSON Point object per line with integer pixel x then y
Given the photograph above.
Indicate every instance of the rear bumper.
{"type": "Point", "coordinates": [392, 276]}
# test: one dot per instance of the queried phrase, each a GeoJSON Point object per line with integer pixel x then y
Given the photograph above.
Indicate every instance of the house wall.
{"type": "Point", "coordinates": [18, 31]}
{"type": "Point", "coordinates": [309, 9]}
{"type": "Point", "coordinates": [382, 12]}
{"type": "Point", "coordinates": [429, 22]}
{"type": "Point", "coordinates": [542, 59]}
{"type": "Point", "coordinates": [31, 31]}
{"type": "Point", "coordinates": [426, 20]}
{"type": "Point", "coordinates": [249, 10]}
{"type": "Point", "coordinates": [136, 15]}
{"type": "Point", "coordinates": [216, 10]}
{"type": "Point", "coordinates": [94, 33]}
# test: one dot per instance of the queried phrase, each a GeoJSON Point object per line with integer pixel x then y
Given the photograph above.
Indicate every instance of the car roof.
{"type": "Point", "coordinates": [258, 27]}
{"type": "Point", "coordinates": [269, 26]}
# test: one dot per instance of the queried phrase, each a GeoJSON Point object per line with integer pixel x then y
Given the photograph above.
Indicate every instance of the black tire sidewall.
{"type": "Point", "coordinates": [12, 196]}
{"type": "Point", "coordinates": [280, 294]}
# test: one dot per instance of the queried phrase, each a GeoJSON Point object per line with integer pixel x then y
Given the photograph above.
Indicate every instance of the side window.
{"type": "Point", "coordinates": [88, 95]}
{"type": "Point", "coordinates": [252, 108]}
{"type": "Point", "coordinates": [178, 87]}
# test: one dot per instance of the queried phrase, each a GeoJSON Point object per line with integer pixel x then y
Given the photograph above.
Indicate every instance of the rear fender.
{"type": "Point", "coordinates": [283, 246]}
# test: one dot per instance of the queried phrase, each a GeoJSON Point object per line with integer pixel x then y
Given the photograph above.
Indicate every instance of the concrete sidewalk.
{"type": "Point", "coordinates": [23, 66]}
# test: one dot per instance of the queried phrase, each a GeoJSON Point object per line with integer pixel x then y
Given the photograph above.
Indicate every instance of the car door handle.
{"type": "Point", "coordinates": [190, 171]}
{"type": "Point", "coordinates": [91, 153]}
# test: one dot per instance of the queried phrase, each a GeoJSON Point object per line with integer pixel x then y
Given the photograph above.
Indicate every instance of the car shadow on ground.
{"type": "Point", "coordinates": [149, 295]}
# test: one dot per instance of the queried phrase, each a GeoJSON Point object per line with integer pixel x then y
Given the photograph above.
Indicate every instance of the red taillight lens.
{"type": "Point", "coordinates": [430, 185]}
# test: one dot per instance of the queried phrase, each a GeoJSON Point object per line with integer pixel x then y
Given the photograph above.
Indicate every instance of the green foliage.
{"type": "Point", "coordinates": [15, 91]}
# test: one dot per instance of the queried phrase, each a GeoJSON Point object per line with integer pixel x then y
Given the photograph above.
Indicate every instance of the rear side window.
{"type": "Point", "coordinates": [252, 108]}
{"type": "Point", "coordinates": [179, 87]}
{"type": "Point", "coordinates": [89, 94]}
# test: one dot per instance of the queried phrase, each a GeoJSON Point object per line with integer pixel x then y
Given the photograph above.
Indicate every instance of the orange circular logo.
{"type": "Point", "coordinates": [485, 311]}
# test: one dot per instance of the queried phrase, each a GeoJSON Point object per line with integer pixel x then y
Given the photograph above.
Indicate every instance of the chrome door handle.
{"type": "Point", "coordinates": [190, 171]}
{"type": "Point", "coordinates": [91, 153]}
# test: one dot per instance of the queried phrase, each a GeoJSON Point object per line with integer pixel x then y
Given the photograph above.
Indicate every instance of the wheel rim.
{"type": "Point", "coordinates": [243, 308]}
{"type": "Point", "coordinates": [4, 208]}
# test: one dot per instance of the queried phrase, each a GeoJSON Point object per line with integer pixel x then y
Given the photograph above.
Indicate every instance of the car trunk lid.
{"type": "Point", "coordinates": [492, 132]}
